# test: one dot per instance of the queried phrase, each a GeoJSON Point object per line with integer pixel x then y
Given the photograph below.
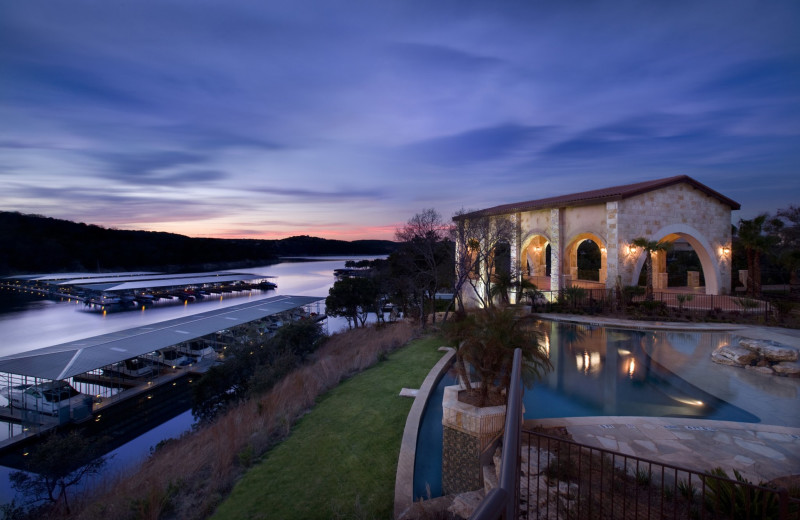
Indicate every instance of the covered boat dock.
{"type": "Point", "coordinates": [92, 365]}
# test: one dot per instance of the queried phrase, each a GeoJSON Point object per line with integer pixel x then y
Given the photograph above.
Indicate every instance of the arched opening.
{"type": "Point", "coordinates": [589, 260]}
{"type": "Point", "coordinates": [689, 249]}
{"type": "Point", "coordinates": [502, 259]}
{"type": "Point", "coordinates": [535, 261]}
{"type": "Point", "coordinates": [585, 262]}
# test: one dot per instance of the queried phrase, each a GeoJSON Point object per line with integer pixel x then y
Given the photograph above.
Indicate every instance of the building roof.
{"type": "Point", "coordinates": [597, 196]}
{"type": "Point", "coordinates": [81, 276]}
{"type": "Point", "coordinates": [169, 282]}
{"type": "Point", "coordinates": [211, 276]}
{"type": "Point", "coordinates": [80, 356]}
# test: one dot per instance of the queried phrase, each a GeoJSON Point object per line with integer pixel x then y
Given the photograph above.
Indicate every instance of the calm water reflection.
{"type": "Point", "coordinates": [604, 371]}
{"type": "Point", "coordinates": [27, 324]}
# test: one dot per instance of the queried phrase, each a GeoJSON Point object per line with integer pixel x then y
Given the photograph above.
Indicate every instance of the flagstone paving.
{"type": "Point", "coordinates": [760, 451]}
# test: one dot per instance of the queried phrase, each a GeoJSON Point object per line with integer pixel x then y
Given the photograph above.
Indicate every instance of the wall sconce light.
{"type": "Point", "coordinates": [726, 250]}
{"type": "Point", "coordinates": [603, 250]}
{"type": "Point", "coordinates": [538, 249]}
{"type": "Point", "coordinates": [631, 249]}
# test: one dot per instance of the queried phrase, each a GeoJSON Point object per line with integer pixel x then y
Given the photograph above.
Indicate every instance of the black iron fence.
{"type": "Point", "coordinates": [564, 479]}
{"type": "Point", "coordinates": [668, 304]}
{"type": "Point", "coordinates": [558, 478]}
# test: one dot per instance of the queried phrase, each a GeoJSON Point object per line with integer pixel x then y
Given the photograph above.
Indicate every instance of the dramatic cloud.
{"type": "Point", "coordinates": [343, 119]}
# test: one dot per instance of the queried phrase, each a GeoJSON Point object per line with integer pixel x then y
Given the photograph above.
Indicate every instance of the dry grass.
{"type": "Point", "coordinates": [188, 478]}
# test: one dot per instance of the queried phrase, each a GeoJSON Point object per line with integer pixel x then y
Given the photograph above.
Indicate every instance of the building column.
{"type": "Point", "coordinates": [612, 254]}
{"type": "Point", "coordinates": [516, 270]}
{"type": "Point", "coordinates": [556, 251]}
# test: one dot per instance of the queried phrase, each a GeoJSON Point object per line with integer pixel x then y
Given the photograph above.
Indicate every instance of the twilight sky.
{"type": "Point", "coordinates": [342, 119]}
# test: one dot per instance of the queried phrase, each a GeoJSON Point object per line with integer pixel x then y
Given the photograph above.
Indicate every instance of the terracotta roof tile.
{"type": "Point", "coordinates": [601, 195]}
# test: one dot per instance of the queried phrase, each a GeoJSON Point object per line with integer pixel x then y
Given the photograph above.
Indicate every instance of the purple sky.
{"type": "Point", "coordinates": [342, 119]}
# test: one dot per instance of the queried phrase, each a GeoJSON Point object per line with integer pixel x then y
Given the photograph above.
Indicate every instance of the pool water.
{"type": "Point", "coordinates": [597, 371]}
{"type": "Point", "coordinates": [602, 371]}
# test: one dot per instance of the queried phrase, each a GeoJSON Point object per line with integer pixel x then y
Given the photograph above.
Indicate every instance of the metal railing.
{"type": "Point", "coordinates": [564, 479]}
{"type": "Point", "coordinates": [663, 303]}
{"type": "Point", "coordinates": [503, 501]}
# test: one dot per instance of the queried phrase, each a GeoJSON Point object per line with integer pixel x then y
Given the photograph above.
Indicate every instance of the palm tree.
{"type": "Point", "coordinates": [504, 282]}
{"type": "Point", "coordinates": [486, 339]}
{"type": "Point", "coordinates": [650, 247]}
{"type": "Point", "coordinates": [755, 242]}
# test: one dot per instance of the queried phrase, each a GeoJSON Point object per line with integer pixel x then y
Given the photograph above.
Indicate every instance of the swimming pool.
{"type": "Point", "coordinates": [597, 371]}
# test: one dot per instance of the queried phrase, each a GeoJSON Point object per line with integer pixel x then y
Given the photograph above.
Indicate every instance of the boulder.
{"type": "Point", "coordinates": [770, 350]}
{"type": "Point", "coordinates": [767, 371]}
{"type": "Point", "coordinates": [735, 356]}
{"type": "Point", "coordinates": [465, 503]}
{"type": "Point", "coordinates": [787, 368]}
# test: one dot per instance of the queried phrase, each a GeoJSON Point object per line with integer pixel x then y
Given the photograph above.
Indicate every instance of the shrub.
{"type": "Point", "coordinates": [736, 499]}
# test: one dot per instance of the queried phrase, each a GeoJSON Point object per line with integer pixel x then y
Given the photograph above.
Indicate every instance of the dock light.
{"type": "Point", "coordinates": [173, 384]}
{"type": "Point", "coordinates": [25, 454]}
{"type": "Point", "coordinates": [149, 396]}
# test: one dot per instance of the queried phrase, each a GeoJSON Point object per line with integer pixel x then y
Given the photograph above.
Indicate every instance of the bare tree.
{"type": "Point", "coordinates": [61, 462]}
{"type": "Point", "coordinates": [423, 237]}
{"type": "Point", "coordinates": [478, 239]}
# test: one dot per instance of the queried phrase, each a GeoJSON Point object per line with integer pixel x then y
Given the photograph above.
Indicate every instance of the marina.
{"type": "Point", "coordinates": [131, 370]}
{"type": "Point", "coordinates": [135, 290]}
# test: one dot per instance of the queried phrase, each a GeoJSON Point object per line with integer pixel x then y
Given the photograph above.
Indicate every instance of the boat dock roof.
{"type": "Point", "coordinates": [166, 282]}
{"type": "Point", "coordinates": [80, 356]}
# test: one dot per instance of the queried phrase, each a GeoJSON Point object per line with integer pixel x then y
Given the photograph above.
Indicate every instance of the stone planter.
{"type": "Point", "coordinates": [467, 431]}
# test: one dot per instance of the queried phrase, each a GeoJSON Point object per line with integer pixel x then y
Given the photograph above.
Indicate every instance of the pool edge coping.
{"type": "Point", "coordinates": [404, 479]}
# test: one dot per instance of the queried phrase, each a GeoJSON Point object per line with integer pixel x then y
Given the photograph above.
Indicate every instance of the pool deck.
{"type": "Point", "coordinates": [760, 451]}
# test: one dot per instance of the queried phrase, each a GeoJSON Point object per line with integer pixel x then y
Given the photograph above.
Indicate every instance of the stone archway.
{"type": "Point", "coordinates": [570, 265]}
{"type": "Point", "coordinates": [661, 209]}
{"type": "Point", "coordinates": [534, 259]}
{"type": "Point", "coordinates": [701, 246]}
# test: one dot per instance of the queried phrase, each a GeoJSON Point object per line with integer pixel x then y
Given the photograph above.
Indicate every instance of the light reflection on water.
{"type": "Point", "coordinates": [27, 324]}
{"type": "Point", "coordinates": [597, 371]}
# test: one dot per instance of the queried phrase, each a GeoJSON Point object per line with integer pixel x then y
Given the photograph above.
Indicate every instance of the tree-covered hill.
{"type": "Point", "coordinates": [38, 244]}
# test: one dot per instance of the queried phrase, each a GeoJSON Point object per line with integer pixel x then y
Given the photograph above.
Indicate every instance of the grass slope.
{"type": "Point", "coordinates": [340, 460]}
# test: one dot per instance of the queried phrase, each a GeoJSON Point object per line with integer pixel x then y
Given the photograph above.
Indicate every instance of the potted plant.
{"type": "Point", "coordinates": [473, 415]}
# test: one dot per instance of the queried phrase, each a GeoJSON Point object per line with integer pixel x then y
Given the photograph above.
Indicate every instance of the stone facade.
{"type": "Point", "coordinates": [678, 208]}
{"type": "Point", "coordinates": [679, 211]}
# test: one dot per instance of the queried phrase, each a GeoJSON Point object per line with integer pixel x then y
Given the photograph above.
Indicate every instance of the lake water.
{"type": "Point", "coordinates": [28, 323]}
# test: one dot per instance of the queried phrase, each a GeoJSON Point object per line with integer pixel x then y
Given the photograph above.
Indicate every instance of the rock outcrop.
{"type": "Point", "coordinates": [759, 356]}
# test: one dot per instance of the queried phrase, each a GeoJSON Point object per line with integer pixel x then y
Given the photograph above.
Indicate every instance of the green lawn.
{"type": "Point", "coordinates": [340, 460]}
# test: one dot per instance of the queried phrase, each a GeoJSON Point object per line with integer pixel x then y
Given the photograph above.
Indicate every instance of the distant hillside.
{"type": "Point", "coordinates": [37, 244]}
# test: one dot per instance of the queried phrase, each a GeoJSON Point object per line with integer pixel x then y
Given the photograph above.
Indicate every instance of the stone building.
{"type": "Point", "coordinates": [549, 232]}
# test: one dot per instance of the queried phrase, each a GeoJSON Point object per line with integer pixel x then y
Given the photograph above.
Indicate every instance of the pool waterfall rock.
{"type": "Point", "coordinates": [760, 356]}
